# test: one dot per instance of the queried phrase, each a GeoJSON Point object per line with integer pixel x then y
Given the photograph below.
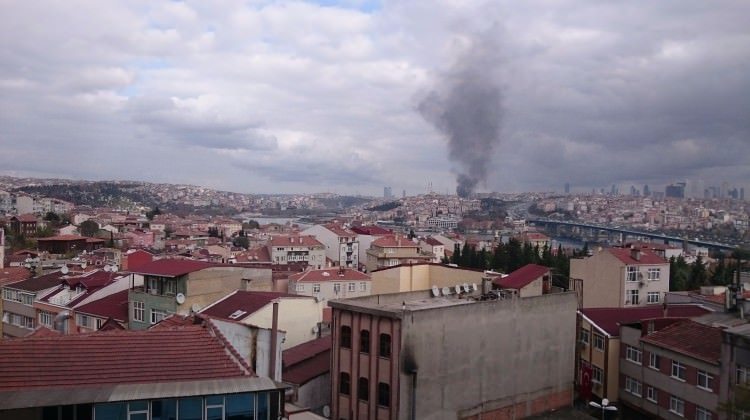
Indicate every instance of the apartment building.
{"type": "Point", "coordinates": [422, 276]}
{"type": "Point", "coordinates": [432, 245]}
{"type": "Point", "coordinates": [19, 314]}
{"type": "Point", "coordinates": [620, 277]}
{"type": "Point", "coordinates": [331, 283]}
{"type": "Point", "coordinates": [342, 244]}
{"type": "Point", "coordinates": [418, 355]}
{"type": "Point", "coordinates": [671, 371]}
{"type": "Point", "coordinates": [389, 251]}
{"type": "Point", "coordinates": [297, 248]}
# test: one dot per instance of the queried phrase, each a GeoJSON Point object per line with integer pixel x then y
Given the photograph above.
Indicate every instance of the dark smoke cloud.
{"type": "Point", "coordinates": [466, 106]}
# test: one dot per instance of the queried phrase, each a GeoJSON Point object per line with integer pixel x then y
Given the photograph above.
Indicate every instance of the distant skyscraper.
{"type": "Point", "coordinates": [676, 190]}
{"type": "Point", "coordinates": [613, 190]}
{"type": "Point", "coordinates": [742, 193]}
{"type": "Point", "coordinates": [403, 194]}
{"type": "Point", "coordinates": [646, 191]}
{"type": "Point", "coordinates": [387, 192]}
{"type": "Point", "coordinates": [567, 188]}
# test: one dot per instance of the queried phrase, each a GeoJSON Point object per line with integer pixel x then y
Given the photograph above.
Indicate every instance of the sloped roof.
{"type": "Point", "coordinates": [339, 230]}
{"type": "Point", "coordinates": [115, 357]}
{"type": "Point", "coordinates": [329, 274]}
{"type": "Point", "coordinates": [610, 319]}
{"type": "Point", "coordinates": [307, 361]}
{"type": "Point", "coordinates": [172, 267]}
{"type": "Point", "coordinates": [371, 230]}
{"type": "Point", "coordinates": [295, 240]}
{"type": "Point", "coordinates": [647, 257]}
{"type": "Point", "coordinates": [114, 306]}
{"type": "Point", "coordinates": [25, 218]}
{"type": "Point", "coordinates": [521, 277]}
{"type": "Point", "coordinates": [689, 338]}
{"type": "Point", "coordinates": [36, 284]}
{"type": "Point", "coordinates": [432, 241]}
{"type": "Point", "coordinates": [392, 241]}
{"type": "Point", "coordinates": [64, 238]}
{"type": "Point", "coordinates": [249, 302]}
{"type": "Point", "coordinates": [13, 274]}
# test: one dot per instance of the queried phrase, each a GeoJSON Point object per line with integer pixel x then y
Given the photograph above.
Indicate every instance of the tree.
{"type": "Point", "coordinates": [456, 258]}
{"type": "Point", "coordinates": [45, 232]}
{"type": "Point", "coordinates": [89, 228]}
{"type": "Point", "coordinates": [53, 218]}
{"type": "Point", "coordinates": [514, 255]}
{"type": "Point", "coordinates": [679, 272]}
{"type": "Point", "coordinates": [250, 224]}
{"type": "Point", "coordinates": [150, 214]}
{"type": "Point", "coordinates": [241, 241]}
{"type": "Point", "coordinates": [698, 275]}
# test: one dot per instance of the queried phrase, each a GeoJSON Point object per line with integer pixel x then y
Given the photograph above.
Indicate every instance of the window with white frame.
{"type": "Point", "coordinates": [300, 287]}
{"type": "Point", "coordinates": [705, 380]}
{"type": "Point", "coordinates": [677, 406]}
{"type": "Point", "coordinates": [598, 342]}
{"type": "Point", "coordinates": [46, 318]}
{"type": "Point", "coordinates": [632, 297]}
{"type": "Point", "coordinates": [337, 288]}
{"type": "Point", "coordinates": [654, 274]}
{"type": "Point", "coordinates": [170, 287]}
{"type": "Point", "coordinates": [138, 311]}
{"type": "Point", "coordinates": [652, 394]}
{"type": "Point", "coordinates": [653, 361]}
{"type": "Point", "coordinates": [585, 337]}
{"type": "Point", "coordinates": [363, 286]}
{"type": "Point", "coordinates": [633, 386]}
{"type": "Point", "coordinates": [83, 320]}
{"type": "Point", "coordinates": [316, 288]}
{"type": "Point", "coordinates": [352, 287]}
{"type": "Point", "coordinates": [157, 315]}
{"type": "Point", "coordinates": [702, 413]}
{"type": "Point", "coordinates": [632, 273]}
{"type": "Point", "coordinates": [597, 375]}
{"type": "Point", "coordinates": [26, 299]}
{"type": "Point", "coordinates": [678, 370]}
{"type": "Point", "coordinates": [741, 375]}
{"type": "Point", "coordinates": [633, 354]}
{"type": "Point", "coordinates": [652, 297]}
{"type": "Point", "coordinates": [9, 294]}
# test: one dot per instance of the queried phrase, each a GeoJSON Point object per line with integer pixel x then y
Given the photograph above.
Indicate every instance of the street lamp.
{"type": "Point", "coordinates": [604, 406]}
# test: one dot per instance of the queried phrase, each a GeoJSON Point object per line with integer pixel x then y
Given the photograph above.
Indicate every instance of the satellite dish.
{"type": "Point", "coordinates": [326, 411]}
{"type": "Point", "coordinates": [107, 268]}
{"type": "Point", "coordinates": [466, 288]}
{"type": "Point", "coordinates": [115, 268]}
{"type": "Point", "coordinates": [315, 329]}
{"type": "Point", "coordinates": [195, 308]}
{"type": "Point", "coordinates": [65, 269]}
{"type": "Point", "coordinates": [474, 286]}
{"type": "Point", "coordinates": [446, 291]}
{"type": "Point", "coordinates": [435, 291]}
{"type": "Point", "coordinates": [458, 288]}
{"type": "Point", "coordinates": [84, 264]}
{"type": "Point", "coordinates": [180, 299]}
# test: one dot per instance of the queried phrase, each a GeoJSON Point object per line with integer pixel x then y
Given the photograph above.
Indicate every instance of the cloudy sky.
{"type": "Point", "coordinates": [291, 96]}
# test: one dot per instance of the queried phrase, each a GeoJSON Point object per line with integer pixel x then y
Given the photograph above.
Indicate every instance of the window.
{"type": "Point", "coordinates": [363, 389]}
{"type": "Point", "coordinates": [597, 375]}
{"type": "Point", "coordinates": [653, 361]}
{"type": "Point", "coordinates": [240, 406]}
{"type": "Point", "coordinates": [346, 336]}
{"type": "Point", "coordinates": [678, 370]}
{"type": "Point", "coordinates": [384, 394]}
{"type": "Point", "coordinates": [170, 287]}
{"type": "Point", "coordinates": [677, 406]}
{"type": "Point", "coordinates": [316, 288]}
{"type": "Point", "coordinates": [153, 285]}
{"type": "Point", "coordinates": [190, 408]}
{"type": "Point", "coordinates": [215, 407]}
{"type": "Point", "coordinates": [654, 274]}
{"type": "Point", "coordinates": [632, 386]}
{"type": "Point", "coordinates": [705, 380]}
{"type": "Point", "coordinates": [344, 383]}
{"type": "Point", "coordinates": [585, 337]}
{"type": "Point", "coordinates": [652, 395]}
{"type": "Point", "coordinates": [26, 299]}
{"type": "Point", "coordinates": [652, 297]}
{"type": "Point", "coordinates": [632, 297]}
{"type": "Point", "coordinates": [702, 413]}
{"type": "Point", "coordinates": [84, 321]}
{"type": "Point", "coordinates": [364, 341]}
{"type": "Point", "coordinates": [300, 287]}
{"type": "Point", "coordinates": [352, 287]}
{"type": "Point", "coordinates": [363, 286]}
{"type": "Point", "coordinates": [157, 315]}
{"type": "Point", "coordinates": [632, 273]}
{"type": "Point", "coordinates": [385, 346]}
{"type": "Point", "coordinates": [138, 410]}
{"type": "Point", "coordinates": [336, 288]}
{"type": "Point", "coordinates": [633, 354]}
{"type": "Point", "coordinates": [46, 318]}
{"type": "Point", "coordinates": [138, 311]}
{"type": "Point", "coordinates": [598, 342]}
{"type": "Point", "coordinates": [742, 375]}
{"type": "Point", "coordinates": [99, 323]}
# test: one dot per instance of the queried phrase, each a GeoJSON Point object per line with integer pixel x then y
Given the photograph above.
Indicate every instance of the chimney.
{"type": "Point", "coordinates": [486, 285]}
{"type": "Point", "coordinates": [274, 339]}
{"type": "Point", "coordinates": [635, 253]}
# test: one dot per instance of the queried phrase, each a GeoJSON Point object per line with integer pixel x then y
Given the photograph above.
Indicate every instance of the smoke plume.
{"type": "Point", "coordinates": [465, 106]}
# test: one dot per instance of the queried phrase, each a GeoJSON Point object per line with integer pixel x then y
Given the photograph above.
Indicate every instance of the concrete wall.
{"type": "Point", "coordinates": [297, 316]}
{"type": "Point", "coordinates": [253, 344]}
{"type": "Point", "coordinates": [327, 238]}
{"type": "Point", "coordinates": [421, 277]}
{"type": "Point", "coordinates": [315, 394]}
{"type": "Point", "coordinates": [258, 279]}
{"type": "Point", "coordinates": [489, 356]}
{"type": "Point", "coordinates": [327, 289]}
{"type": "Point", "coordinates": [205, 287]}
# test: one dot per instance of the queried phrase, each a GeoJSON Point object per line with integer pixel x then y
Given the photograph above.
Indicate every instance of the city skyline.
{"type": "Point", "coordinates": [298, 97]}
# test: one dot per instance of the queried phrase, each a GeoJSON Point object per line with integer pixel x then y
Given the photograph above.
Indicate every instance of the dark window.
{"type": "Point", "coordinates": [344, 383]}
{"type": "Point", "coordinates": [364, 341]}
{"type": "Point", "coordinates": [384, 394]}
{"type": "Point", "coordinates": [346, 336]}
{"type": "Point", "coordinates": [385, 345]}
{"type": "Point", "coordinates": [363, 389]}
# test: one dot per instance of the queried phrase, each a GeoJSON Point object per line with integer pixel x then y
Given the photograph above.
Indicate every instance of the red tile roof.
{"type": "Point", "coordinates": [392, 241]}
{"type": "Point", "coordinates": [64, 238]}
{"type": "Point", "coordinates": [295, 240]}
{"type": "Point", "coordinates": [689, 338]}
{"type": "Point", "coordinates": [13, 274]}
{"type": "Point", "coordinates": [371, 230]}
{"type": "Point", "coordinates": [259, 254]}
{"type": "Point", "coordinates": [647, 257]}
{"type": "Point", "coordinates": [521, 277]}
{"type": "Point", "coordinates": [330, 274]}
{"type": "Point", "coordinates": [249, 302]}
{"type": "Point", "coordinates": [114, 306]}
{"type": "Point", "coordinates": [306, 361]}
{"type": "Point", "coordinates": [609, 319]}
{"type": "Point", "coordinates": [26, 218]}
{"type": "Point", "coordinates": [116, 357]}
{"type": "Point", "coordinates": [39, 283]}
{"type": "Point", "coordinates": [340, 230]}
{"type": "Point", "coordinates": [432, 241]}
{"type": "Point", "coordinates": [172, 267]}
